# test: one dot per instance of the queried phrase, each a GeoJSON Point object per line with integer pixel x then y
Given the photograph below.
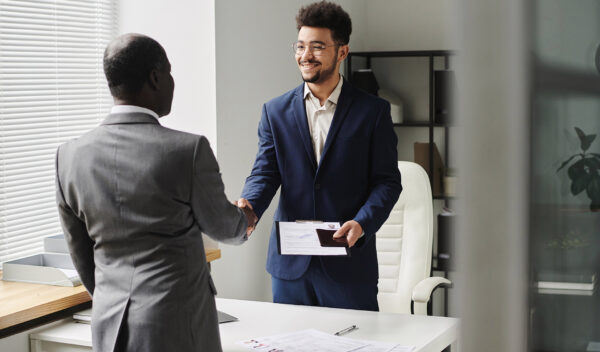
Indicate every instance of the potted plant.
{"type": "Point", "coordinates": [584, 173]}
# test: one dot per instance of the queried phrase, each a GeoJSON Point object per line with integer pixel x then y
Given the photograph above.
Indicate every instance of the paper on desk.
{"type": "Point", "coordinates": [314, 340]}
{"type": "Point", "coordinates": [303, 341]}
{"type": "Point", "coordinates": [299, 238]}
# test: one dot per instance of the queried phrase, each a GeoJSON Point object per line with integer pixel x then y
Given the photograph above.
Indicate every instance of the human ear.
{"type": "Point", "coordinates": [153, 79]}
{"type": "Point", "coordinates": [343, 52]}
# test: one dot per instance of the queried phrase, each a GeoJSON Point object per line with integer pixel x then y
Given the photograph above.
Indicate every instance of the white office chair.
{"type": "Point", "coordinates": [404, 246]}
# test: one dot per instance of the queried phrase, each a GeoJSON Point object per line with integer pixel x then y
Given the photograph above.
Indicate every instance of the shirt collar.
{"type": "Point", "coordinates": [333, 97]}
{"type": "Point", "coordinates": [126, 109]}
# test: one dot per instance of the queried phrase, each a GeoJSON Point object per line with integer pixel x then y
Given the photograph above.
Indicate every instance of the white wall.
{"type": "Point", "coordinates": [255, 63]}
{"type": "Point", "coordinates": [186, 29]}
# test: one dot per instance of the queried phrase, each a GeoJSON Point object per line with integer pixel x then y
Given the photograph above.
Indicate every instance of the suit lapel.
{"type": "Point", "coordinates": [302, 123]}
{"type": "Point", "coordinates": [341, 111]}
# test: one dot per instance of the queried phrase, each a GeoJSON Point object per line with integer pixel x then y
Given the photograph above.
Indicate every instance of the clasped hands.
{"type": "Point", "coordinates": [245, 205]}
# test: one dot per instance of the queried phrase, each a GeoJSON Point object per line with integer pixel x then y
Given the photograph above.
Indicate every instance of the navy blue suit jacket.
{"type": "Point", "coordinates": [357, 178]}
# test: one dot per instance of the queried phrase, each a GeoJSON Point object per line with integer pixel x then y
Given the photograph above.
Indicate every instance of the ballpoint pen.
{"type": "Point", "coordinates": [346, 330]}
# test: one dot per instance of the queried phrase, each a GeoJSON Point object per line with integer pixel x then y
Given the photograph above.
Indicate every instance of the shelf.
{"type": "Point", "coordinates": [414, 53]}
{"type": "Point", "coordinates": [418, 124]}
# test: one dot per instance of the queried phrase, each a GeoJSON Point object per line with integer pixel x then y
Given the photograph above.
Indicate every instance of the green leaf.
{"type": "Point", "coordinates": [592, 163]}
{"type": "Point", "coordinates": [585, 144]}
{"type": "Point", "coordinates": [593, 187]}
{"type": "Point", "coordinates": [565, 163]}
{"type": "Point", "coordinates": [586, 140]}
{"type": "Point", "coordinates": [580, 183]}
{"type": "Point", "coordinates": [577, 170]}
{"type": "Point", "coordinates": [580, 133]}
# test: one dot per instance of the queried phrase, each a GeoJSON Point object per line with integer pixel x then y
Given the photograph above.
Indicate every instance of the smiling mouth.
{"type": "Point", "coordinates": [307, 66]}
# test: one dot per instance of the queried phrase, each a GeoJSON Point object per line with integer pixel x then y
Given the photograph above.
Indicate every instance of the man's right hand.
{"type": "Point", "coordinates": [245, 205]}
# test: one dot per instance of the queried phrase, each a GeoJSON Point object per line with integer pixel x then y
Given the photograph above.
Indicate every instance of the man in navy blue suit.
{"type": "Point", "coordinates": [332, 150]}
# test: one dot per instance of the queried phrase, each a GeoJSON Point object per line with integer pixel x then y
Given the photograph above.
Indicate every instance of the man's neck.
{"type": "Point", "coordinates": [134, 102]}
{"type": "Point", "coordinates": [324, 89]}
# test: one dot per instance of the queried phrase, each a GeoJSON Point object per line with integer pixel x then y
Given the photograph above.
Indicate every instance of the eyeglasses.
{"type": "Point", "coordinates": [315, 49]}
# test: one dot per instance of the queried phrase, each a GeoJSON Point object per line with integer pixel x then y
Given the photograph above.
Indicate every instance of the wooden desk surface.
{"type": "Point", "coordinates": [21, 302]}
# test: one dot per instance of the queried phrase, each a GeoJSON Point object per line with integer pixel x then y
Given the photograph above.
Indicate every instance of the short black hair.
{"type": "Point", "coordinates": [128, 61]}
{"type": "Point", "coordinates": [326, 14]}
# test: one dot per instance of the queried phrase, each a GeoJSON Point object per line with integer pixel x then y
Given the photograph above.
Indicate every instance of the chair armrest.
{"type": "Point", "coordinates": [422, 293]}
{"type": "Point", "coordinates": [423, 290]}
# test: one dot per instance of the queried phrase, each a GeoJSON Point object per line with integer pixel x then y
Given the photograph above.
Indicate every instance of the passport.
{"type": "Point", "coordinates": [327, 240]}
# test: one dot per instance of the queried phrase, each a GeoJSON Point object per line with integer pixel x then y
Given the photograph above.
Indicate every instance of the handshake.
{"type": "Point", "coordinates": [245, 205]}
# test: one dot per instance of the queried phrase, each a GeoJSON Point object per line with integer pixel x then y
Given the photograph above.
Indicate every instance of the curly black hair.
{"type": "Point", "coordinates": [128, 62]}
{"type": "Point", "coordinates": [326, 14]}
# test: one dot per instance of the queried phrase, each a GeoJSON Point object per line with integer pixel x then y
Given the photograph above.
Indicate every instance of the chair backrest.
{"type": "Point", "coordinates": [405, 240]}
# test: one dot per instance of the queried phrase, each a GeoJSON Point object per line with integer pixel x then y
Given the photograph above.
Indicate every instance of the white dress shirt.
{"type": "Point", "coordinates": [126, 109]}
{"type": "Point", "coordinates": [320, 117]}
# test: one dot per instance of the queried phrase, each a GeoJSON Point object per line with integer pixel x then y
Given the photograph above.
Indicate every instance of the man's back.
{"type": "Point", "coordinates": [144, 193]}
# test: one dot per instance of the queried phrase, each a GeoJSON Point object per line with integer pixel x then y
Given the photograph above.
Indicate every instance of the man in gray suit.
{"type": "Point", "coordinates": [133, 199]}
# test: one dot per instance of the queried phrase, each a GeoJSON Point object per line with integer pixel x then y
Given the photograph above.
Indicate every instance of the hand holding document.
{"type": "Point", "coordinates": [350, 231]}
{"type": "Point", "coordinates": [300, 238]}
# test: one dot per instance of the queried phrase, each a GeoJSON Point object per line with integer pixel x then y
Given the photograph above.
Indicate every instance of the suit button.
{"type": "Point", "coordinates": [317, 186]}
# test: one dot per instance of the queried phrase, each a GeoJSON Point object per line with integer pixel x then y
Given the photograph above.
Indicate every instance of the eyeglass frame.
{"type": "Point", "coordinates": [312, 48]}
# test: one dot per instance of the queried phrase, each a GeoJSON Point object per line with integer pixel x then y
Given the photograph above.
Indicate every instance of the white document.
{"type": "Point", "coordinates": [314, 340]}
{"type": "Point", "coordinates": [303, 341]}
{"type": "Point", "coordinates": [300, 238]}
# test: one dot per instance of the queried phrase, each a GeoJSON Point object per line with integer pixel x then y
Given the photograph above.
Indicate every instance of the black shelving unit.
{"type": "Point", "coordinates": [430, 55]}
{"type": "Point", "coordinates": [430, 124]}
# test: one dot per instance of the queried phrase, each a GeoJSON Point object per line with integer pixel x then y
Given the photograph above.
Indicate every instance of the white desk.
{"type": "Point", "coordinates": [256, 319]}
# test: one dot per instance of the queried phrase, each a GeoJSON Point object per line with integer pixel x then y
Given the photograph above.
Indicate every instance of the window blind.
{"type": "Point", "coordinates": [52, 89]}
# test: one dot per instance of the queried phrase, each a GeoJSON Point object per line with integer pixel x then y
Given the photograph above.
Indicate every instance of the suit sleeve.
{"type": "Point", "coordinates": [217, 217]}
{"type": "Point", "coordinates": [81, 246]}
{"type": "Point", "coordinates": [385, 183]}
{"type": "Point", "coordinates": [265, 179]}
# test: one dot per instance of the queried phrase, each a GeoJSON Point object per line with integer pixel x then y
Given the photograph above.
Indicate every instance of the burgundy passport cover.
{"type": "Point", "coordinates": [327, 240]}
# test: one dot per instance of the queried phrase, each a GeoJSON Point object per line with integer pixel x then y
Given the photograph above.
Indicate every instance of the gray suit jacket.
{"type": "Point", "coordinates": [133, 198]}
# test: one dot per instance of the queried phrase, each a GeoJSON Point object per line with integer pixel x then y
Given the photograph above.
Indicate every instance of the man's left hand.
{"type": "Point", "coordinates": [352, 230]}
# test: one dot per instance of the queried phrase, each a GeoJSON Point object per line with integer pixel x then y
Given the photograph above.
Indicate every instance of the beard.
{"type": "Point", "coordinates": [323, 73]}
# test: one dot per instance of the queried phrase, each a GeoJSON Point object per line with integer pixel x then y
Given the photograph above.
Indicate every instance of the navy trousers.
{"type": "Point", "coordinates": [315, 288]}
